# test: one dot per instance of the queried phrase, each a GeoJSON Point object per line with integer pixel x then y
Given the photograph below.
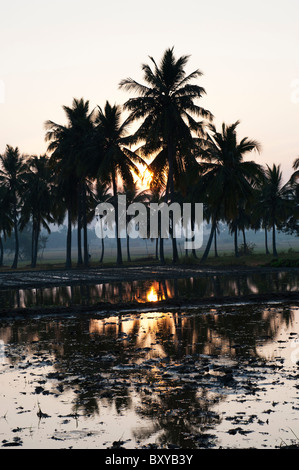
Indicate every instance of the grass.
{"type": "Point", "coordinates": [287, 258]}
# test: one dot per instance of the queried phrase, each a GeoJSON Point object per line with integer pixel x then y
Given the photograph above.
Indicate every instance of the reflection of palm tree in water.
{"type": "Point", "coordinates": [79, 360]}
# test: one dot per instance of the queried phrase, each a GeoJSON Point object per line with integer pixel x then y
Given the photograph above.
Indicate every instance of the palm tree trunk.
{"type": "Point", "coordinates": [215, 244]}
{"type": "Point", "coordinates": [1, 252]}
{"type": "Point", "coordinates": [85, 237]}
{"type": "Point", "coordinates": [118, 240]}
{"type": "Point", "coordinates": [32, 243]}
{"type": "Point", "coordinates": [15, 261]}
{"type": "Point", "coordinates": [128, 248]}
{"type": "Point", "coordinates": [236, 242]}
{"type": "Point", "coordinates": [162, 258]}
{"type": "Point", "coordinates": [266, 241]}
{"type": "Point", "coordinates": [161, 247]}
{"type": "Point", "coordinates": [79, 241]}
{"type": "Point", "coordinates": [170, 149]}
{"type": "Point", "coordinates": [68, 262]}
{"type": "Point", "coordinates": [102, 254]}
{"type": "Point", "coordinates": [102, 238]}
{"type": "Point", "coordinates": [79, 238]}
{"type": "Point", "coordinates": [274, 240]}
{"type": "Point", "coordinates": [207, 249]}
{"type": "Point", "coordinates": [192, 228]}
{"type": "Point", "coordinates": [244, 241]}
{"type": "Point", "coordinates": [37, 232]}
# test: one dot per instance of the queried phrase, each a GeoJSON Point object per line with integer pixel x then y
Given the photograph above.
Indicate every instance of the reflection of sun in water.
{"type": "Point", "coordinates": [152, 296]}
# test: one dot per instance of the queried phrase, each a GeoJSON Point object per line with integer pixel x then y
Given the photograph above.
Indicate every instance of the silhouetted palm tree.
{"type": "Point", "coordinates": [71, 159]}
{"type": "Point", "coordinates": [226, 177]}
{"type": "Point", "coordinates": [133, 195]}
{"type": "Point", "coordinates": [166, 104]}
{"type": "Point", "coordinates": [6, 221]}
{"type": "Point", "coordinates": [37, 200]}
{"type": "Point", "coordinates": [102, 194]}
{"type": "Point", "coordinates": [117, 161]}
{"type": "Point", "coordinates": [11, 173]}
{"type": "Point", "coordinates": [275, 200]}
{"type": "Point", "coordinates": [291, 225]}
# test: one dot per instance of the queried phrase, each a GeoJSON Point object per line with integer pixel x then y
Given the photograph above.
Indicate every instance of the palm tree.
{"type": "Point", "coordinates": [291, 224]}
{"type": "Point", "coordinates": [6, 222]}
{"type": "Point", "coordinates": [166, 104]}
{"type": "Point", "coordinates": [116, 160]}
{"type": "Point", "coordinates": [133, 195]}
{"type": "Point", "coordinates": [82, 126]}
{"type": "Point", "coordinates": [102, 194]}
{"type": "Point", "coordinates": [226, 177]}
{"type": "Point", "coordinates": [37, 200]}
{"type": "Point", "coordinates": [71, 159]}
{"type": "Point", "coordinates": [156, 198]}
{"type": "Point", "coordinates": [11, 174]}
{"type": "Point", "coordinates": [275, 200]}
{"type": "Point", "coordinates": [66, 181]}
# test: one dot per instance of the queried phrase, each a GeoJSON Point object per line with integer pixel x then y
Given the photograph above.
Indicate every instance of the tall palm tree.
{"type": "Point", "coordinates": [275, 200]}
{"type": "Point", "coordinates": [6, 222]}
{"type": "Point", "coordinates": [37, 200]}
{"type": "Point", "coordinates": [292, 223]}
{"type": "Point", "coordinates": [117, 162]}
{"type": "Point", "coordinates": [71, 150]}
{"type": "Point", "coordinates": [133, 195]}
{"type": "Point", "coordinates": [102, 194]}
{"type": "Point", "coordinates": [82, 127]}
{"type": "Point", "coordinates": [166, 104]}
{"type": "Point", "coordinates": [157, 190]}
{"type": "Point", "coordinates": [240, 223]}
{"type": "Point", "coordinates": [11, 173]}
{"type": "Point", "coordinates": [66, 180]}
{"type": "Point", "coordinates": [226, 177]}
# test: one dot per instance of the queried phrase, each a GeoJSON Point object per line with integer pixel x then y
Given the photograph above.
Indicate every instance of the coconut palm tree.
{"type": "Point", "coordinates": [6, 222]}
{"type": "Point", "coordinates": [275, 200]}
{"type": "Point", "coordinates": [71, 159]}
{"type": "Point", "coordinates": [66, 181]}
{"type": "Point", "coordinates": [226, 177]}
{"type": "Point", "coordinates": [133, 195]}
{"type": "Point", "coordinates": [11, 173]}
{"type": "Point", "coordinates": [102, 194]}
{"type": "Point", "coordinates": [291, 224]}
{"type": "Point", "coordinates": [37, 200]}
{"type": "Point", "coordinates": [166, 105]}
{"type": "Point", "coordinates": [117, 162]}
{"type": "Point", "coordinates": [71, 156]}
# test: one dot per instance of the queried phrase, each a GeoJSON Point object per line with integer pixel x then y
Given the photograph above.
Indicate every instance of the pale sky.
{"type": "Point", "coordinates": [248, 52]}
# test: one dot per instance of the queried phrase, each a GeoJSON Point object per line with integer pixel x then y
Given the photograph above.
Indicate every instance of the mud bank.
{"type": "Point", "coordinates": [46, 278]}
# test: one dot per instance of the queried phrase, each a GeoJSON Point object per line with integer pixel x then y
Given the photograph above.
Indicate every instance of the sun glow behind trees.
{"type": "Point", "coordinates": [183, 159]}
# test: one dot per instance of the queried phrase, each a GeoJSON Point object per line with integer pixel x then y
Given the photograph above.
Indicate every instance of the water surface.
{"type": "Point", "coordinates": [193, 378]}
{"type": "Point", "coordinates": [201, 287]}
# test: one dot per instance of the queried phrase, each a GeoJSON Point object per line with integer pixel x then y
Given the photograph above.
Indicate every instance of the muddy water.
{"type": "Point", "coordinates": [201, 287]}
{"type": "Point", "coordinates": [197, 378]}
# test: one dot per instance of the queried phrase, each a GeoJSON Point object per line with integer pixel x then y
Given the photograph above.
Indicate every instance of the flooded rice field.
{"type": "Point", "coordinates": [201, 287]}
{"type": "Point", "coordinates": [189, 378]}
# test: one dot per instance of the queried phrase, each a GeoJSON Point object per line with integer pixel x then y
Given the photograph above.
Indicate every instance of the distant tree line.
{"type": "Point", "coordinates": [94, 157]}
